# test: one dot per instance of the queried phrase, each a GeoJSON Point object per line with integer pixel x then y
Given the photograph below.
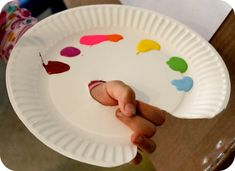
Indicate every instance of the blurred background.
{"type": "Point", "coordinates": [43, 8]}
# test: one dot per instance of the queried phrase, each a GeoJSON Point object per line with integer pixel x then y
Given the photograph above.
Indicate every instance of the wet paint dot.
{"type": "Point", "coordinates": [185, 84]}
{"type": "Point", "coordinates": [70, 52]}
{"type": "Point", "coordinates": [177, 64]}
{"type": "Point", "coordinates": [147, 45]}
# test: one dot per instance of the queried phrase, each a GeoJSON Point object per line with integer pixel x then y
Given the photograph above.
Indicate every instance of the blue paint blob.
{"type": "Point", "coordinates": [185, 84]}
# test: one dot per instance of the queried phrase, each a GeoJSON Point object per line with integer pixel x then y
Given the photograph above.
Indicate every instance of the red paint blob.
{"type": "Point", "coordinates": [56, 67]}
{"type": "Point", "coordinates": [70, 52]}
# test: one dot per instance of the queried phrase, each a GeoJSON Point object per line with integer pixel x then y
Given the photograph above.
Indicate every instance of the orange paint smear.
{"type": "Point", "coordinates": [114, 37]}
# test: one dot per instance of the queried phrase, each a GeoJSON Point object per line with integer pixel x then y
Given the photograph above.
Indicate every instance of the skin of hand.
{"type": "Point", "coordinates": [141, 117]}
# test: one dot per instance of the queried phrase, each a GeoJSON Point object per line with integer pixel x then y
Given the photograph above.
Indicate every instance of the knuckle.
{"type": "Point", "coordinates": [127, 91]}
{"type": "Point", "coordinates": [151, 131]}
{"type": "Point", "coordinates": [148, 145]}
{"type": "Point", "coordinates": [159, 117]}
{"type": "Point", "coordinates": [152, 148]}
{"type": "Point", "coordinates": [118, 82]}
{"type": "Point", "coordinates": [145, 128]}
{"type": "Point", "coordinates": [163, 116]}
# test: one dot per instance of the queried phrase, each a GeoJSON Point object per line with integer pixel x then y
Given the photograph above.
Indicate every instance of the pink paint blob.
{"type": "Point", "coordinates": [70, 52]}
{"type": "Point", "coordinates": [96, 39]}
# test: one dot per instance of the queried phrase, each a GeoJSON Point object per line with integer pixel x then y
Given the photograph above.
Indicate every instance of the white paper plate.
{"type": "Point", "coordinates": [58, 109]}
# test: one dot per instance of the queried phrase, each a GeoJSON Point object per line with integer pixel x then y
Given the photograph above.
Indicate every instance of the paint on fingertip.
{"type": "Point", "coordinates": [94, 83]}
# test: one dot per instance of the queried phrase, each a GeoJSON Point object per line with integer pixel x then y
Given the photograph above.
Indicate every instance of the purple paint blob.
{"type": "Point", "coordinates": [70, 52]}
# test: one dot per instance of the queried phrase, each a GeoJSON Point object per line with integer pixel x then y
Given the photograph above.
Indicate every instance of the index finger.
{"type": "Point", "coordinates": [151, 113]}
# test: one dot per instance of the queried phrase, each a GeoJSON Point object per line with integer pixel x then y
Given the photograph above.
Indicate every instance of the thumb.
{"type": "Point", "coordinates": [124, 95]}
{"type": "Point", "coordinates": [116, 92]}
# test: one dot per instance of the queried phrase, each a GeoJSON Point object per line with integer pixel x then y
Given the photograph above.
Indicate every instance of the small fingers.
{"type": "Point", "coordinates": [143, 143]}
{"type": "Point", "coordinates": [137, 160]}
{"type": "Point", "coordinates": [113, 93]}
{"type": "Point", "coordinates": [137, 124]}
{"type": "Point", "coordinates": [98, 91]}
{"type": "Point", "coordinates": [124, 95]}
{"type": "Point", "coordinates": [151, 113]}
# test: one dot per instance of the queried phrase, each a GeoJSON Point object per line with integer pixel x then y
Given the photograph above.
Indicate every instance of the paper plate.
{"type": "Point", "coordinates": [59, 110]}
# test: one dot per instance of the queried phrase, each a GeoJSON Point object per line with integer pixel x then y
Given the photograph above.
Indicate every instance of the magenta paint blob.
{"type": "Point", "coordinates": [70, 52]}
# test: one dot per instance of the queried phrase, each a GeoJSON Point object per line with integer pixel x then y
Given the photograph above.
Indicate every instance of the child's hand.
{"type": "Point", "coordinates": [142, 118]}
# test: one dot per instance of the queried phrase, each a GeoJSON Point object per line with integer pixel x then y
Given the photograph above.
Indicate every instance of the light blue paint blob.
{"type": "Point", "coordinates": [185, 84]}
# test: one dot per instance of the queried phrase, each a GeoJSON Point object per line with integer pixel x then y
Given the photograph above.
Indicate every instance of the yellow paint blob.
{"type": "Point", "coordinates": [147, 45]}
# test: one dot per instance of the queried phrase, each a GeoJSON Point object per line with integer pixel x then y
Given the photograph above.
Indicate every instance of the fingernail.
{"type": "Point", "coordinates": [130, 109]}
